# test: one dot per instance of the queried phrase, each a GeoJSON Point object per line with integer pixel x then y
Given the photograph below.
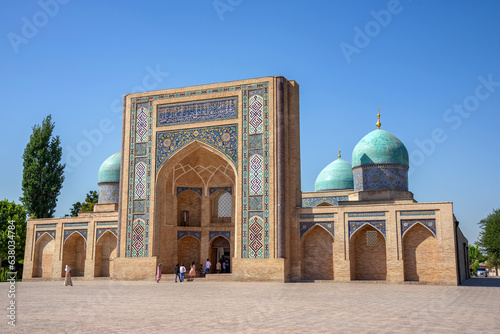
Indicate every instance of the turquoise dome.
{"type": "Point", "coordinates": [335, 176]}
{"type": "Point", "coordinates": [110, 169]}
{"type": "Point", "coordinates": [379, 146]}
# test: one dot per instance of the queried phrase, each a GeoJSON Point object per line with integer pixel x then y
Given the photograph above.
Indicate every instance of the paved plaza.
{"type": "Point", "coordinates": [229, 307]}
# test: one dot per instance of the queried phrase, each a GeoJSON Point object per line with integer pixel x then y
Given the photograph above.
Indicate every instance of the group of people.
{"type": "Point", "coordinates": [180, 270]}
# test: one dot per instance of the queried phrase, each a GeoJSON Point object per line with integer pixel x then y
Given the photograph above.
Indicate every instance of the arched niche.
{"type": "Point", "coordinates": [317, 255]}
{"type": "Point", "coordinates": [420, 254]}
{"type": "Point", "coordinates": [367, 254]}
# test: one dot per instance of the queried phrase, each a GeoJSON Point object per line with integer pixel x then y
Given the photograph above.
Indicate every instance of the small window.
{"type": "Point", "coordinates": [371, 238]}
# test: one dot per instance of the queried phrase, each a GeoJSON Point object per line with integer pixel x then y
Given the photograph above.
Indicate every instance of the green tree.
{"type": "Point", "coordinates": [489, 238]}
{"type": "Point", "coordinates": [475, 258]}
{"type": "Point", "coordinates": [43, 174]}
{"type": "Point", "coordinates": [87, 206]}
{"type": "Point", "coordinates": [12, 234]}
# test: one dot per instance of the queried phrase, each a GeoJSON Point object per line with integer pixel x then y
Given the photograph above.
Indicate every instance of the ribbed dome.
{"type": "Point", "coordinates": [110, 169]}
{"type": "Point", "coordinates": [379, 146]}
{"type": "Point", "coordinates": [335, 176]}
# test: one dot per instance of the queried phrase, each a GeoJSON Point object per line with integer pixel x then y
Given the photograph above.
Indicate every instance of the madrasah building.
{"type": "Point", "coordinates": [213, 171]}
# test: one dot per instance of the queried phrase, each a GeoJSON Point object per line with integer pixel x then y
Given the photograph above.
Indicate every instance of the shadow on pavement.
{"type": "Point", "coordinates": [484, 281]}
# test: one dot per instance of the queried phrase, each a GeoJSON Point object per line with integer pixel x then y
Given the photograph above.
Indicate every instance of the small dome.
{"type": "Point", "coordinates": [110, 169]}
{"type": "Point", "coordinates": [379, 146]}
{"type": "Point", "coordinates": [335, 176]}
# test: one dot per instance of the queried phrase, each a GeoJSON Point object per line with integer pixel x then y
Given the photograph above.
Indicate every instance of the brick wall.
{"type": "Point", "coordinates": [368, 262]}
{"type": "Point", "coordinates": [44, 252]}
{"type": "Point", "coordinates": [420, 255]}
{"type": "Point", "coordinates": [317, 255]}
{"type": "Point", "coordinates": [189, 201]}
{"type": "Point", "coordinates": [74, 254]}
{"type": "Point", "coordinates": [188, 251]}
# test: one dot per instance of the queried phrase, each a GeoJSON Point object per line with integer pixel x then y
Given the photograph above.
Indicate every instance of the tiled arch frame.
{"type": "Point", "coordinates": [255, 135]}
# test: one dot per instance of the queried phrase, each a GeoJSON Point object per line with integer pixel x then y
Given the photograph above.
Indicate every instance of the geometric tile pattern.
{"type": "Point", "coordinates": [328, 226]}
{"type": "Point", "coordinates": [140, 180]}
{"type": "Point", "coordinates": [255, 203]}
{"type": "Point", "coordinates": [141, 149]}
{"type": "Point", "coordinates": [100, 231]}
{"type": "Point", "coordinates": [109, 192]}
{"type": "Point", "coordinates": [381, 177]}
{"type": "Point", "coordinates": [214, 189]}
{"type": "Point", "coordinates": [255, 107]}
{"type": "Point", "coordinates": [139, 206]}
{"type": "Point", "coordinates": [316, 215]}
{"type": "Point", "coordinates": [256, 174]}
{"type": "Point", "coordinates": [199, 191]}
{"type": "Point", "coordinates": [378, 224]}
{"type": "Point", "coordinates": [182, 234]}
{"type": "Point", "coordinates": [45, 226]}
{"type": "Point", "coordinates": [313, 201]}
{"type": "Point", "coordinates": [138, 238]}
{"type": "Point", "coordinates": [82, 232]}
{"type": "Point", "coordinates": [40, 233]}
{"type": "Point", "coordinates": [74, 225]}
{"type": "Point", "coordinates": [256, 245]}
{"type": "Point", "coordinates": [366, 214]}
{"type": "Point", "coordinates": [430, 224]}
{"type": "Point", "coordinates": [201, 111]}
{"type": "Point", "coordinates": [255, 177]}
{"type": "Point", "coordinates": [418, 213]}
{"type": "Point", "coordinates": [225, 234]}
{"type": "Point", "coordinates": [222, 138]}
{"type": "Point", "coordinates": [246, 91]}
{"type": "Point", "coordinates": [142, 125]}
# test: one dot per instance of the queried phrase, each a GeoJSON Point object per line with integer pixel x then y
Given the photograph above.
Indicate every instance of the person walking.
{"type": "Point", "coordinates": [182, 271]}
{"type": "Point", "coordinates": [67, 277]}
{"type": "Point", "coordinates": [177, 272]}
{"type": "Point", "coordinates": [158, 273]}
{"type": "Point", "coordinates": [207, 266]}
{"type": "Point", "coordinates": [218, 266]}
{"type": "Point", "coordinates": [192, 271]}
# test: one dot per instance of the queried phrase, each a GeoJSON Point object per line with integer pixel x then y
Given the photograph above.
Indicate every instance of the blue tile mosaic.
{"type": "Point", "coordinates": [40, 233]}
{"type": "Point", "coordinates": [214, 189]}
{"type": "Point", "coordinates": [366, 214]}
{"type": "Point", "coordinates": [82, 232]}
{"type": "Point", "coordinates": [418, 213]}
{"type": "Point", "coordinates": [182, 234]}
{"type": "Point", "coordinates": [316, 215]}
{"type": "Point", "coordinates": [101, 231]}
{"type": "Point", "coordinates": [406, 224]}
{"type": "Point", "coordinates": [199, 191]}
{"type": "Point", "coordinates": [313, 201]}
{"type": "Point", "coordinates": [378, 224]}
{"type": "Point", "coordinates": [200, 111]}
{"type": "Point", "coordinates": [225, 234]}
{"type": "Point", "coordinates": [328, 226]}
{"type": "Point", "coordinates": [380, 177]}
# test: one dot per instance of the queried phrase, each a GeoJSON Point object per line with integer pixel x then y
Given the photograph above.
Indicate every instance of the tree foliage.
{"type": "Point", "coordinates": [43, 174]}
{"type": "Point", "coordinates": [489, 238]}
{"type": "Point", "coordinates": [13, 235]}
{"type": "Point", "coordinates": [475, 258]}
{"type": "Point", "coordinates": [87, 206]}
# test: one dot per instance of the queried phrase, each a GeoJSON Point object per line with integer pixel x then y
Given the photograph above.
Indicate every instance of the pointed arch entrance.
{"type": "Point", "coordinates": [187, 186]}
{"type": "Point", "coordinates": [420, 254]}
{"type": "Point", "coordinates": [317, 255]}
{"type": "Point", "coordinates": [105, 249]}
{"type": "Point", "coordinates": [220, 251]}
{"type": "Point", "coordinates": [367, 254]}
{"type": "Point", "coordinates": [44, 253]}
{"type": "Point", "coordinates": [74, 254]}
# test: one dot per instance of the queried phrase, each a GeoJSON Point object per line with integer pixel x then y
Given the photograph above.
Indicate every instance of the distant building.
{"type": "Point", "coordinates": [213, 172]}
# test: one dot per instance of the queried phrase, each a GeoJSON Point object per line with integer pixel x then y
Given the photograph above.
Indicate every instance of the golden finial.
{"type": "Point", "coordinates": [378, 120]}
{"type": "Point", "coordinates": [339, 153]}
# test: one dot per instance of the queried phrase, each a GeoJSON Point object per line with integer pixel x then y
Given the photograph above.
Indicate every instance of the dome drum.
{"type": "Point", "coordinates": [381, 177]}
{"type": "Point", "coordinates": [108, 179]}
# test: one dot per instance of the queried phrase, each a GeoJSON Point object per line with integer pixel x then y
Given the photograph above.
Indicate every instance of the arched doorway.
{"type": "Point", "coordinates": [74, 254]}
{"type": "Point", "coordinates": [188, 251]}
{"type": "Point", "coordinates": [420, 255]}
{"type": "Point", "coordinates": [220, 251]}
{"type": "Point", "coordinates": [367, 252]}
{"type": "Point", "coordinates": [185, 189]}
{"type": "Point", "coordinates": [317, 255]}
{"type": "Point", "coordinates": [105, 250]}
{"type": "Point", "coordinates": [44, 253]}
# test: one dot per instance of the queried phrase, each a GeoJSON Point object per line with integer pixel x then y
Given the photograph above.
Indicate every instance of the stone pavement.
{"type": "Point", "coordinates": [233, 307]}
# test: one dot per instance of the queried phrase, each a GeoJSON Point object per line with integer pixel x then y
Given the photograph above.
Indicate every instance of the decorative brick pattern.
{"type": "Point", "coordinates": [142, 125]}
{"type": "Point", "coordinates": [139, 238]}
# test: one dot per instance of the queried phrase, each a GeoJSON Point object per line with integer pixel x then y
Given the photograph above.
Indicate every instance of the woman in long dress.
{"type": "Point", "coordinates": [192, 271]}
{"type": "Point", "coordinates": [67, 278]}
{"type": "Point", "coordinates": [158, 273]}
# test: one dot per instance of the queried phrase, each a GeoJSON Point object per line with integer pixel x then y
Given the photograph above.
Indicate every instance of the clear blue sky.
{"type": "Point", "coordinates": [417, 60]}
